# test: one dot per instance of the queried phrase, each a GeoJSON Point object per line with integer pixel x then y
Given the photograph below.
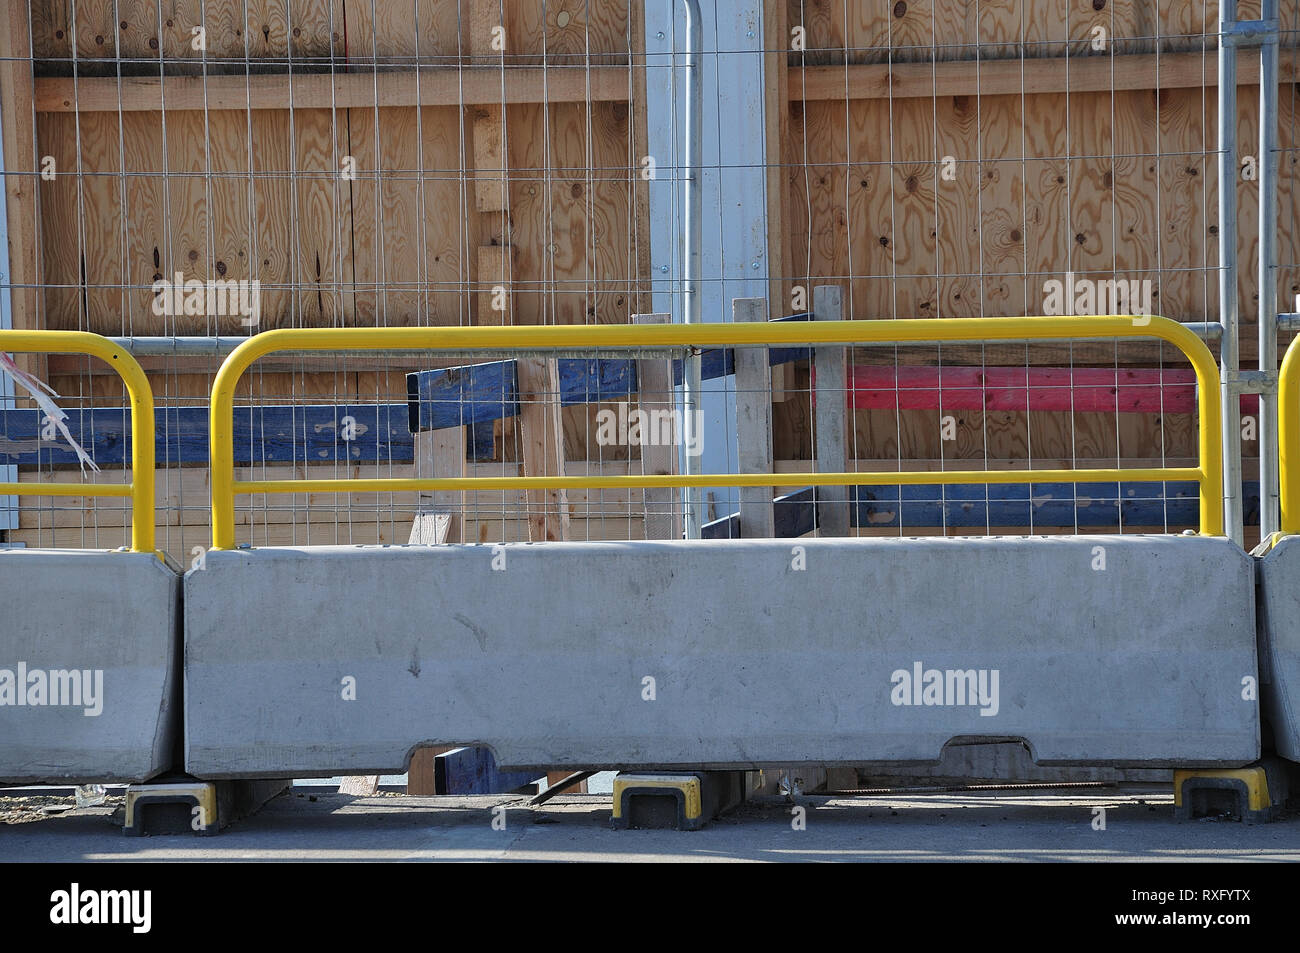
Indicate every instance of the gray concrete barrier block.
{"type": "Point", "coordinates": [89, 666]}
{"type": "Point", "coordinates": [1279, 644]}
{"type": "Point", "coordinates": [732, 654]}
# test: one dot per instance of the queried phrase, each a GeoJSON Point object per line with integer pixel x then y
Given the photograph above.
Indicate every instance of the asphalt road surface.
{"type": "Point", "coordinates": [1097, 824]}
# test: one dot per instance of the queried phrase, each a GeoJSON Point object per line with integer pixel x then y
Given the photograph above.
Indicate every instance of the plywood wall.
{"type": "Point", "coordinates": [209, 188]}
{"type": "Point", "coordinates": [1060, 157]}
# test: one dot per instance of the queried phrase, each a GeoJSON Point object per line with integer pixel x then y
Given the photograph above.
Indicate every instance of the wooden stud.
{"type": "Point", "coordinates": [20, 182]}
{"type": "Point", "coordinates": [437, 86]}
{"type": "Point", "coordinates": [832, 456]}
{"type": "Point", "coordinates": [663, 518]}
{"type": "Point", "coordinates": [441, 453]}
{"type": "Point", "coordinates": [360, 785]}
{"type": "Point", "coordinates": [754, 424]}
{"type": "Point", "coordinates": [420, 774]}
{"type": "Point", "coordinates": [541, 435]}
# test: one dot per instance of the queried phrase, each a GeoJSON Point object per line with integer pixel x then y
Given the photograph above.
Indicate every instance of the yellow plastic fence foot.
{"type": "Point", "coordinates": [675, 801]}
{"type": "Point", "coordinates": [198, 807]}
{"type": "Point", "coordinates": [1255, 794]}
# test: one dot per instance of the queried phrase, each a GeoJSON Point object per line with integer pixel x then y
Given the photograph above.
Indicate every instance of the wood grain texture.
{"type": "Point", "coordinates": [21, 186]}
{"type": "Point", "coordinates": [542, 438]}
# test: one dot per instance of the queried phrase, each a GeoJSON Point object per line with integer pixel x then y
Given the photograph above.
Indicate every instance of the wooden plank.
{"type": "Point", "coordinates": [638, 208]}
{"type": "Point", "coordinates": [1034, 507]}
{"type": "Point", "coordinates": [1038, 389]}
{"type": "Point", "coordinates": [421, 779]}
{"type": "Point", "coordinates": [832, 453]}
{"type": "Point", "coordinates": [470, 394]}
{"type": "Point", "coordinates": [263, 434]}
{"type": "Point", "coordinates": [753, 423]}
{"type": "Point", "coordinates": [179, 540]}
{"type": "Point", "coordinates": [20, 183]}
{"type": "Point", "coordinates": [663, 517]}
{"type": "Point", "coordinates": [1015, 76]}
{"type": "Point", "coordinates": [182, 498]}
{"type": "Point", "coordinates": [1092, 505]}
{"type": "Point", "coordinates": [360, 785]}
{"type": "Point", "coordinates": [477, 393]}
{"type": "Point", "coordinates": [543, 447]}
{"type": "Point", "coordinates": [595, 380]}
{"type": "Point", "coordinates": [441, 453]}
{"type": "Point", "coordinates": [776, 83]}
{"type": "Point", "coordinates": [430, 529]}
{"type": "Point", "coordinates": [436, 86]}
{"type": "Point", "coordinates": [491, 197]}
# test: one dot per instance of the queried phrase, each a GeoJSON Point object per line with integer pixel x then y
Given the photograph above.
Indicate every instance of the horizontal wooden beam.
{"type": "Point", "coordinates": [1075, 74]}
{"type": "Point", "coordinates": [425, 86]}
{"type": "Point", "coordinates": [1079, 389]}
{"type": "Point", "coordinates": [487, 85]}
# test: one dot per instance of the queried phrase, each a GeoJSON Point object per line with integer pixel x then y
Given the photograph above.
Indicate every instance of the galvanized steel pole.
{"type": "Point", "coordinates": [1268, 418]}
{"type": "Point", "coordinates": [691, 261]}
{"type": "Point", "coordinates": [1229, 358]}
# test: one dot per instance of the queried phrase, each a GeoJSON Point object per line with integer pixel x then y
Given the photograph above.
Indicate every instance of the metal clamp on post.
{"type": "Point", "coordinates": [1255, 382]}
{"type": "Point", "coordinates": [1249, 34]}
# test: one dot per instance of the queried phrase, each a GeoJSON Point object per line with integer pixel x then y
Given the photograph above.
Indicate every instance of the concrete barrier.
{"type": "Point", "coordinates": [1279, 644]}
{"type": "Point", "coordinates": [1125, 651]}
{"type": "Point", "coordinates": [89, 666]}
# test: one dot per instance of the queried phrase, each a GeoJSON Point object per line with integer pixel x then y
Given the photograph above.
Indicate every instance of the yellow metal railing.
{"type": "Point", "coordinates": [140, 489]}
{"type": "Point", "coordinates": [1288, 443]}
{"type": "Point", "coordinates": [613, 337]}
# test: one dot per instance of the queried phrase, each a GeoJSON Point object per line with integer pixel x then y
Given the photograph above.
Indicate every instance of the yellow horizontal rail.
{"type": "Point", "coordinates": [140, 489]}
{"type": "Point", "coordinates": [614, 337]}
{"type": "Point", "coordinates": [1288, 425]}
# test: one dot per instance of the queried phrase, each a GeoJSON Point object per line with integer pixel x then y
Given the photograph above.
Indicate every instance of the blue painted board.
{"type": "Point", "coordinates": [478, 393]}
{"type": "Point", "coordinates": [1087, 505]}
{"type": "Point", "coordinates": [473, 770]}
{"type": "Point", "coordinates": [456, 396]}
{"type": "Point", "coordinates": [267, 434]}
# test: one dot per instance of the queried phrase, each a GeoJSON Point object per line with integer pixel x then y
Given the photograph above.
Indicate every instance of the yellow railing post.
{"type": "Point", "coordinates": [1288, 445]}
{"type": "Point", "coordinates": [614, 337]}
{"type": "Point", "coordinates": [141, 487]}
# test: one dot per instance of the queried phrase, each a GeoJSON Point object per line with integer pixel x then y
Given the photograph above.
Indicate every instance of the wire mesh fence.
{"type": "Point", "coordinates": [208, 168]}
